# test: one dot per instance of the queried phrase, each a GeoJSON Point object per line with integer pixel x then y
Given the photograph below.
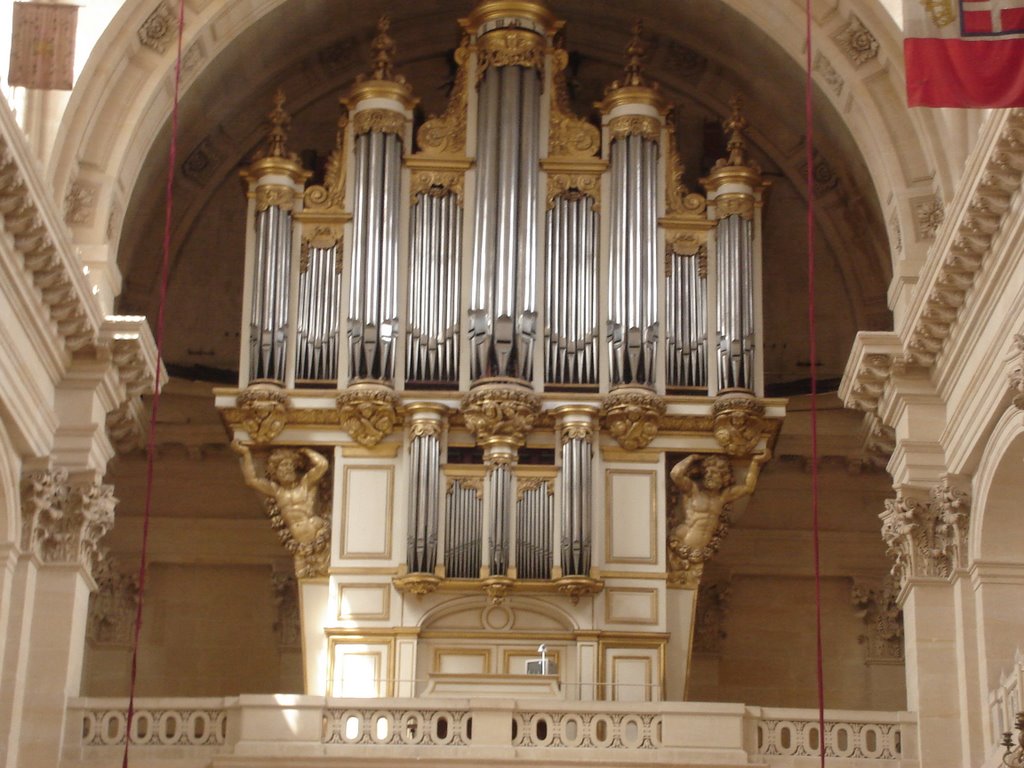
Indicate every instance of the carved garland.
{"type": "Point", "coordinates": [382, 120]}
{"type": "Point", "coordinates": [635, 125]}
{"type": "Point", "coordinates": [510, 48]}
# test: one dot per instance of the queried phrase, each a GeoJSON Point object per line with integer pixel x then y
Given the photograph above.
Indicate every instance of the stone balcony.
{"type": "Point", "coordinates": [299, 731]}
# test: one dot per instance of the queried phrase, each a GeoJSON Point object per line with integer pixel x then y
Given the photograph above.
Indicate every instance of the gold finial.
{"type": "Point", "coordinates": [734, 126]}
{"type": "Point", "coordinates": [383, 47]}
{"type": "Point", "coordinates": [635, 54]}
{"type": "Point", "coordinates": [279, 122]}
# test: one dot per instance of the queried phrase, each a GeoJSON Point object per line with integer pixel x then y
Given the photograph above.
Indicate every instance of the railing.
{"type": "Point", "coordinates": [190, 732]}
{"type": "Point", "coordinates": [1005, 701]}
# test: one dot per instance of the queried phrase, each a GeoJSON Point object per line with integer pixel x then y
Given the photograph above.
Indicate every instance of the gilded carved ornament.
{"type": "Point", "coordinates": [275, 196]}
{"type": "Point", "coordinates": [738, 424]}
{"type": "Point", "coordinates": [635, 125]}
{"type": "Point", "coordinates": [437, 183]}
{"type": "Point", "coordinates": [525, 485]}
{"type": "Point", "coordinates": [368, 412]}
{"type": "Point", "coordinates": [297, 503]}
{"type": "Point", "coordinates": [575, 587]}
{"type": "Point", "coordinates": [475, 484]}
{"type": "Point", "coordinates": [425, 428]}
{"type": "Point", "coordinates": [500, 414]}
{"type": "Point", "coordinates": [330, 196]}
{"type": "Point", "coordinates": [633, 88]}
{"type": "Point", "coordinates": [381, 120]}
{"type": "Point", "coordinates": [577, 431]}
{"type": "Point", "coordinates": [510, 47]}
{"type": "Point", "coordinates": [382, 80]}
{"type": "Point", "coordinates": [569, 136]}
{"type": "Point", "coordinates": [418, 584]}
{"type": "Point", "coordinates": [446, 134]}
{"type": "Point", "coordinates": [262, 413]}
{"type": "Point", "coordinates": [573, 187]}
{"type": "Point", "coordinates": [632, 417]}
{"type": "Point", "coordinates": [279, 122]}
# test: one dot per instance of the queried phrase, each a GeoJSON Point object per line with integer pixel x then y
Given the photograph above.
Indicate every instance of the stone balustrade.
{"type": "Point", "coordinates": [277, 729]}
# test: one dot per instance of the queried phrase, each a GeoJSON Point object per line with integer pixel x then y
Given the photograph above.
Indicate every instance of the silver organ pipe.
{"type": "Point", "coordinates": [501, 495]}
{"type": "Point", "coordinates": [424, 472]}
{"type": "Point", "coordinates": [434, 295]}
{"type": "Point", "coordinates": [735, 302]}
{"type": "Point", "coordinates": [633, 262]}
{"type": "Point", "coordinates": [571, 306]}
{"type": "Point", "coordinates": [463, 527]}
{"type": "Point", "coordinates": [373, 292]}
{"type": "Point", "coordinates": [502, 312]}
{"type": "Point", "coordinates": [686, 321]}
{"type": "Point", "coordinates": [534, 517]}
{"type": "Point", "coordinates": [576, 431]}
{"type": "Point", "coordinates": [317, 322]}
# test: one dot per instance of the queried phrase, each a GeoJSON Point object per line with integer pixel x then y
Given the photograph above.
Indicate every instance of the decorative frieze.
{"type": "Point", "coordinates": [883, 619]}
{"type": "Point", "coordinates": [62, 522]}
{"type": "Point", "coordinates": [709, 622]}
{"type": "Point", "coordinates": [113, 606]}
{"type": "Point", "coordinates": [287, 626]}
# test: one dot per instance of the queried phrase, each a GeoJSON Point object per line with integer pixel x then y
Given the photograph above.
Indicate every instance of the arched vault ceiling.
{"type": "Point", "coordinates": [702, 51]}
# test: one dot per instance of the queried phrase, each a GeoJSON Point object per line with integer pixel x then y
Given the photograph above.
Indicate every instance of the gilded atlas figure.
{"type": "Point", "coordinates": [292, 492]}
{"type": "Point", "coordinates": [707, 488]}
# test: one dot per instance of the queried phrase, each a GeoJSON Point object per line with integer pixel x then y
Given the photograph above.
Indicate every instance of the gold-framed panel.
{"type": "Point", "coordinates": [464, 652]}
{"type": "Point", "coordinates": [652, 516]}
{"type": "Point", "coordinates": [346, 480]}
{"type": "Point", "coordinates": [385, 601]}
{"type": "Point", "coordinates": [635, 592]}
{"type": "Point", "coordinates": [380, 648]}
{"type": "Point", "coordinates": [509, 654]}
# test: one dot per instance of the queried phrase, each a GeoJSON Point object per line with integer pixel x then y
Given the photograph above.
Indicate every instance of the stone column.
{"type": "Point", "coordinates": [63, 522]}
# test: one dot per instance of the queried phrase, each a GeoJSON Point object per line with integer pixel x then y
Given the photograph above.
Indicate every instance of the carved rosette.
{"type": "Point", "coordinates": [631, 416]}
{"type": "Point", "coordinates": [263, 411]}
{"type": "Point", "coordinates": [738, 423]}
{"type": "Point", "coordinates": [500, 414]}
{"type": "Point", "coordinates": [368, 412]}
{"type": "Point", "coordinates": [64, 523]}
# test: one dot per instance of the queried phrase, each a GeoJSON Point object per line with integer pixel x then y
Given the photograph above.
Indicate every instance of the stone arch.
{"type": "Point", "coordinates": [996, 532]}
{"type": "Point", "coordinates": [460, 612]}
{"type": "Point", "coordinates": [123, 99]}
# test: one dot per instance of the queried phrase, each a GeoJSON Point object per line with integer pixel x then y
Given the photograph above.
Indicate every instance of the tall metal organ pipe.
{"type": "Point", "coordinates": [571, 250]}
{"type": "Point", "coordinates": [424, 472]}
{"type": "Point", "coordinates": [317, 321]}
{"type": "Point", "coordinates": [576, 429]}
{"type": "Point", "coordinates": [734, 237]}
{"type": "Point", "coordinates": [686, 362]}
{"type": "Point", "coordinates": [633, 267]}
{"type": "Point", "coordinates": [373, 290]}
{"type": "Point", "coordinates": [432, 339]}
{"type": "Point", "coordinates": [502, 312]}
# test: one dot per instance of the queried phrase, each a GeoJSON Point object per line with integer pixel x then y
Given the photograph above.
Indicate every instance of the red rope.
{"type": "Point", "coordinates": [812, 333]}
{"type": "Point", "coordinates": [155, 407]}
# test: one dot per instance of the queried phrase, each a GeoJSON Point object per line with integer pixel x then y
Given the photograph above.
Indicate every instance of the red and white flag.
{"type": "Point", "coordinates": [43, 45]}
{"type": "Point", "coordinates": [964, 53]}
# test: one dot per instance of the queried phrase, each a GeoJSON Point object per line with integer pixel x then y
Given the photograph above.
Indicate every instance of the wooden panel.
{"type": "Point", "coordinates": [367, 511]}
{"type": "Point", "coordinates": [630, 516]}
{"type": "Point", "coordinates": [631, 605]}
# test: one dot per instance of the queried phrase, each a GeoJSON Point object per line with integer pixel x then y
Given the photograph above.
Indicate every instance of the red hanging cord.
{"type": "Point", "coordinates": [813, 350]}
{"type": "Point", "coordinates": [155, 406]}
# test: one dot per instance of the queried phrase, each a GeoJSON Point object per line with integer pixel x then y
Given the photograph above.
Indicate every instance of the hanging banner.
{"type": "Point", "coordinates": [964, 53]}
{"type": "Point", "coordinates": [43, 46]}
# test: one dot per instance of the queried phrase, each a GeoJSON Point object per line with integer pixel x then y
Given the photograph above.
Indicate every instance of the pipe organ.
{"type": "Point", "coordinates": [501, 328]}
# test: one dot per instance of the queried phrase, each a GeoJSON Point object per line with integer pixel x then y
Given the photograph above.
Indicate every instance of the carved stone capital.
{"type": "Point", "coordinates": [1016, 376]}
{"type": "Point", "coordinates": [913, 541]}
{"type": "Point", "coordinates": [63, 523]}
{"type": "Point", "coordinates": [264, 412]}
{"type": "Point", "coordinates": [497, 413]}
{"type": "Point", "coordinates": [738, 423]}
{"type": "Point", "coordinates": [368, 412]}
{"type": "Point", "coordinates": [510, 48]}
{"type": "Point", "coordinates": [951, 505]}
{"type": "Point", "coordinates": [632, 416]}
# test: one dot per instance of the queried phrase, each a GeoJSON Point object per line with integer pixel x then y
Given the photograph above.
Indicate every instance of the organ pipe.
{"type": "Point", "coordinates": [502, 312]}
{"type": "Point", "coordinates": [424, 473]}
{"type": "Point", "coordinates": [275, 190]}
{"type": "Point", "coordinates": [576, 434]}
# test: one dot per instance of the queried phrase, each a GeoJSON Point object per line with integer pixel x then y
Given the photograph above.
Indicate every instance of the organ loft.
{"type": "Point", "coordinates": [501, 375]}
